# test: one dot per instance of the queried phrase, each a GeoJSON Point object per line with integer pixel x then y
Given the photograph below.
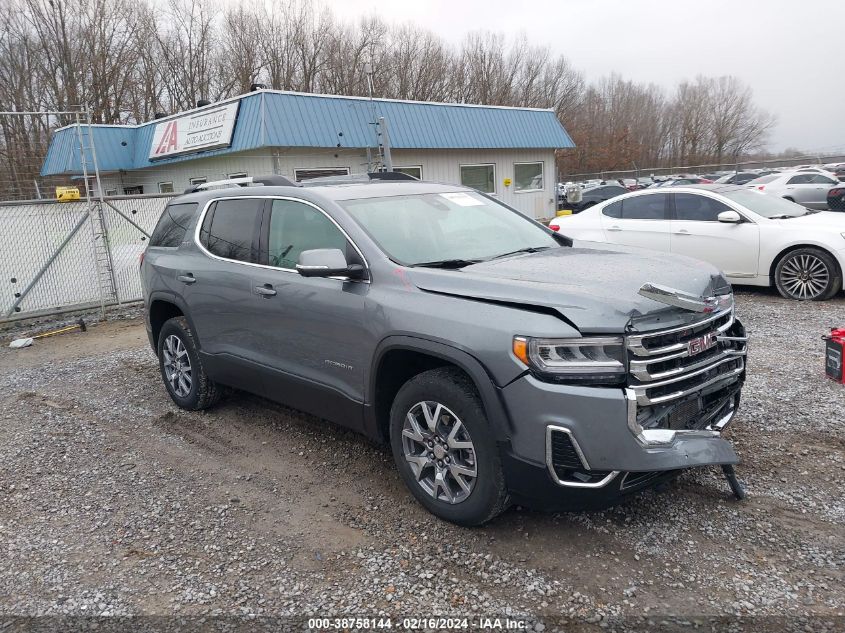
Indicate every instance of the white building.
{"type": "Point", "coordinates": [507, 152]}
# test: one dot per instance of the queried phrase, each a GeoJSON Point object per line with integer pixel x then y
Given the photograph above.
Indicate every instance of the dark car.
{"type": "Point", "coordinates": [680, 182]}
{"type": "Point", "coordinates": [836, 198]}
{"type": "Point", "coordinates": [589, 197]}
{"type": "Point", "coordinates": [500, 361]}
{"type": "Point", "coordinates": [739, 178]}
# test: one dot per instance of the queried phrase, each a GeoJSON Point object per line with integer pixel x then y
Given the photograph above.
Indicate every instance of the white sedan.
{"type": "Point", "coordinates": [754, 238]}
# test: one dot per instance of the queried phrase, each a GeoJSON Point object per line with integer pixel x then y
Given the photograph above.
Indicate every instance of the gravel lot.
{"type": "Point", "coordinates": [115, 502]}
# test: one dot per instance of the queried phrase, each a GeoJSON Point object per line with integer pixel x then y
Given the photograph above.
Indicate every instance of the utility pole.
{"type": "Point", "coordinates": [385, 143]}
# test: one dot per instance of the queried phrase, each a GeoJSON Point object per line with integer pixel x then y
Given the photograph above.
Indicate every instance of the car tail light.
{"type": "Point", "coordinates": [554, 227]}
{"type": "Point", "coordinates": [141, 258]}
{"type": "Point", "coordinates": [835, 192]}
{"type": "Point", "coordinates": [761, 187]}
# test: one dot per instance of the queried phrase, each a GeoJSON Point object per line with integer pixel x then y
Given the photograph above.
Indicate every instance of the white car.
{"type": "Point", "coordinates": [755, 238]}
{"type": "Point", "coordinates": [808, 188]}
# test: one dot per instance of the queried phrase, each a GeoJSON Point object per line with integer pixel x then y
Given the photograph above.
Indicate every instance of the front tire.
{"type": "Point", "coordinates": [444, 449]}
{"type": "Point", "coordinates": [808, 274]}
{"type": "Point", "coordinates": [181, 369]}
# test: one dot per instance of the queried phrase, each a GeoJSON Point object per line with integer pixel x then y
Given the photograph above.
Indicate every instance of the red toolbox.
{"type": "Point", "coordinates": [834, 354]}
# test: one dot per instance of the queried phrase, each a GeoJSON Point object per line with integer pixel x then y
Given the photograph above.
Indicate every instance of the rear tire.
{"type": "Point", "coordinates": [181, 369]}
{"type": "Point", "coordinates": [444, 449]}
{"type": "Point", "coordinates": [808, 274]}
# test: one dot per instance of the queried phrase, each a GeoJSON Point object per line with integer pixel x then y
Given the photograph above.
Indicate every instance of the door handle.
{"type": "Point", "coordinates": [614, 228]}
{"type": "Point", "coordinates": [187, 278]}
{"type": "Point", "coordinates": [265, 291]}
{"type": "Point", "coordinates": [682, 232]}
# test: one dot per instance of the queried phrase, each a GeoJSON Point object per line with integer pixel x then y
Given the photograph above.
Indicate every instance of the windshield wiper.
{"type": "Point", "coordinates": [789, 217]}
{"type": "Point", "coordinates": [447, 263]}
{"type": "Point", "coordinates": [529, 249]}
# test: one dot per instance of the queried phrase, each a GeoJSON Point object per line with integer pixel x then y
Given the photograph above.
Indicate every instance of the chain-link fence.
{"type": "Point", "coordinates": [57, 256]}
{"type": "Point", "coordinates": [705, 169]}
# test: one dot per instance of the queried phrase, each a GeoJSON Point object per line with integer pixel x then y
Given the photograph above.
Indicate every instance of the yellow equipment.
{"type": "Point", "coordinates": [67, 194]}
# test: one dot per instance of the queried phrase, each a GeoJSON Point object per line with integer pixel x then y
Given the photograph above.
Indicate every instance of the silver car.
{"type": "Point", "coordinates": [806, 188]}
{"type": "Point", "coordinates": [500, 362]}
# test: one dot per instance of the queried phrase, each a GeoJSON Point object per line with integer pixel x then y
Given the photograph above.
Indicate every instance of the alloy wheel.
{"type": "Point", "coordinates": [440, 452]}
{"type": "Point", "coordinates": [177, 366]}
{"type": "Point", "coordinates": [805, 276]}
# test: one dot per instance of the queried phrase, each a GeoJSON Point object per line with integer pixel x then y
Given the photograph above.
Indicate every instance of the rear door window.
{"type": "Point", "coordinates": [801, 179]}
{"type": "Point", "coordinates": [230, 229]}
{"type": "Point", "coordinates": [173, 224]}
{"type": "Point", "coordinates": [648, 207]}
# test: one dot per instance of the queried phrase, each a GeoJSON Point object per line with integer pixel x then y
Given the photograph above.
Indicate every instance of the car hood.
{"type": "Point", "coordinates": [823, 219]}
{"type": "Point", "coordinates": [593, 286]}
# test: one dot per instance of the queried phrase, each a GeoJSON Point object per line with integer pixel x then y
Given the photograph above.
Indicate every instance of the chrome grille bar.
{"type": "Point", "coordinates": [635, 343]}
{"type": "Point", "coordinates": [645, 376]}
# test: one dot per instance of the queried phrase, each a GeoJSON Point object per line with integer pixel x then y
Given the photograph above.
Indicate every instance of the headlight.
{"type": "Point", "coordinates": [592, 359]}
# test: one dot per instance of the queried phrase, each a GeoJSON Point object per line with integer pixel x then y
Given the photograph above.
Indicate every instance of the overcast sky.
{"type": "Point", "coordinates": [791, 53]}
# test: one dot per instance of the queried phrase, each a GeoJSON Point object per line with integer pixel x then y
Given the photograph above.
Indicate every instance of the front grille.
{"type": "Point", "coordinates": [671, 364]}
{"type": "Point", "coordinates": [656, 343]}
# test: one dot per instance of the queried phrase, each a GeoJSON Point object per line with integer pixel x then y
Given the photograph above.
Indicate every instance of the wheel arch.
{"type": "Point", "coordinates": [794, 247]}
{"type": "Point", "coordinates": [400, 358]}
{"type": "Point", "coordinates": [162, 307]}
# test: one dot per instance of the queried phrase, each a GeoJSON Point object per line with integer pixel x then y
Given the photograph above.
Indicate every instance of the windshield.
{"type": "Point", "coordinates": [458, 226]}
{"type": "Point", "coordinates": [766, 205]}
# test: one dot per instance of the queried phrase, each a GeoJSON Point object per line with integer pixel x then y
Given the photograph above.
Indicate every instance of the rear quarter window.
{"type": "Point", "coordinates": [173, 224]}
{"type": "Point", "coordinates": [613, 210]}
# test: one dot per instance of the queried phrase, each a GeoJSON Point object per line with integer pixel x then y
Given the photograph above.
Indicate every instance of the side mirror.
{"type": "Point", "coordinates": [327, 262]}
{"type": "Point", "coordinates": [729, 217]}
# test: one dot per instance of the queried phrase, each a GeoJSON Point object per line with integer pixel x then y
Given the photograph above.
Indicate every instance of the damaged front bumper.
{"type": "Point", "coordinates": [670, 417]}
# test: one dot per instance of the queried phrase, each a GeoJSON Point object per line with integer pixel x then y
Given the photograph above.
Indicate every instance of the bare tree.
{"type": "Point", "coordinates": [185, 52]}
{"type": "Point", "coordinates": [129, 59]}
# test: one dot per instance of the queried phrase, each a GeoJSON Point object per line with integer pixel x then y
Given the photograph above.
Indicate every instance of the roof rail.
{"type": "Point", "coordinates": [355, 178]}
{"type": "Point", "coordinates": [390, 175]}
{"type": "Point", "coordinates": [245, 181]}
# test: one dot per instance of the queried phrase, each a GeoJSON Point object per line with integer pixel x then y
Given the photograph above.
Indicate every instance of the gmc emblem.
{"type": "Point", "coordinates": [702, 343]}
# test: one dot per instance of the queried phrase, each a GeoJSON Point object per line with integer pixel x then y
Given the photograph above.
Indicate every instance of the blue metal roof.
{"type": "Point", "coordinates": [269, 118]}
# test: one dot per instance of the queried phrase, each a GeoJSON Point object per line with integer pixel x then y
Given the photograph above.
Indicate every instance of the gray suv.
{"type": "Point", "coordinates": [502, 362]}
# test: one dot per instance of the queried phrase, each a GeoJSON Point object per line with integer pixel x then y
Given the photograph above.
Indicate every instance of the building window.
{"type": "Point", "coordinates": [412, 170]}
{"type": "Point", "coordinates": [134, 190]}
{"type": "Point", "coordinates": [111, 192]}
{"type": "Point", "coordinates": [165, 187]}
{"type": "Point", "coordinates": [201, 180]}
{"type": "Point", "coordinates": [479, 177]}
{"type": "Point", "coordinates": [240, 174]}
{"type": "Point", "coordinates": [319, 172]}
{"type": "Point", "coordinates": [528, 176]}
